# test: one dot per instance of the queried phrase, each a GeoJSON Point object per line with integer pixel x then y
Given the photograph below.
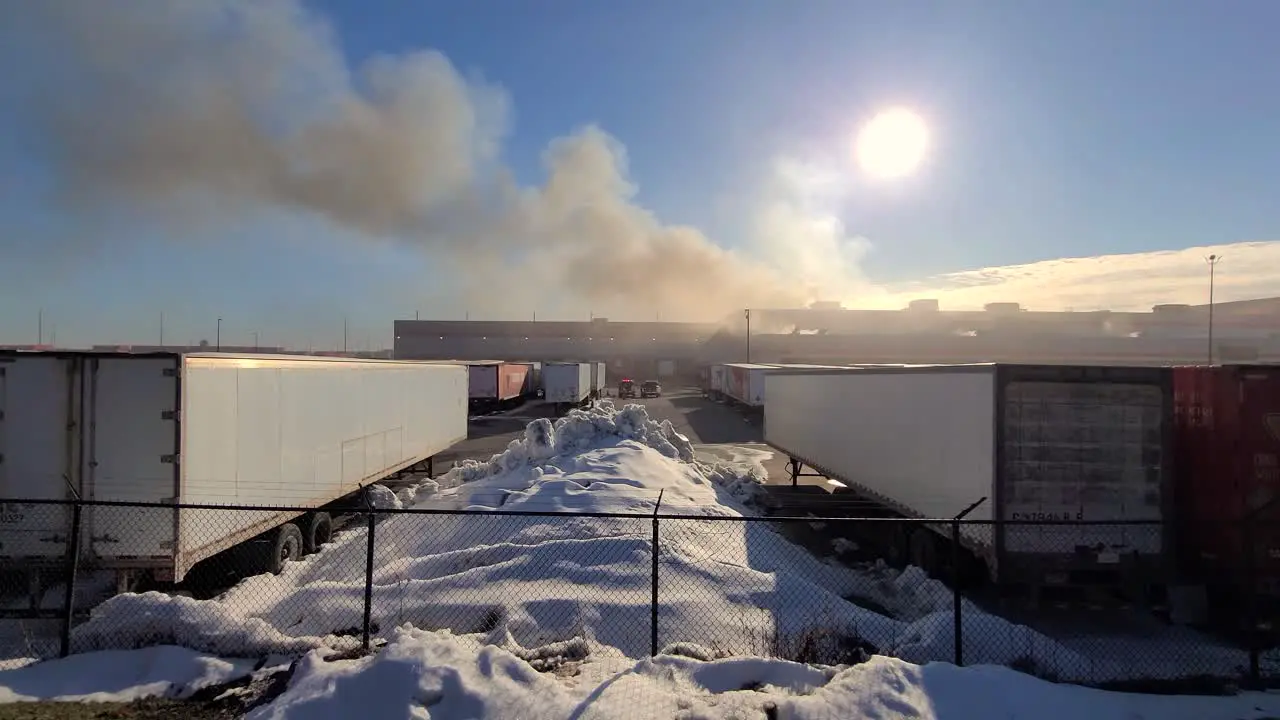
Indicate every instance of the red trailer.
{"type": "Point", "coordinates": [1227, 420]}
{"type": "Point", "coordinates": [492, 383]}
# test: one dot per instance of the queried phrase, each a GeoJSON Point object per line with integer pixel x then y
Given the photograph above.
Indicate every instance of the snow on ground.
{"type": "Point", "coordinates": [506, 579]}
{"type": "Point", "coordinates": [428, 674]}
{"type": "Point", "coordinates": [455, 677]}
{"type": "Point", "coordinates": [120, 675]}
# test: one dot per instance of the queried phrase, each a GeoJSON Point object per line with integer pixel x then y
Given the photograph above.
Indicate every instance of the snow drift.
{"type": "Point", "coordinates": [505, 574]}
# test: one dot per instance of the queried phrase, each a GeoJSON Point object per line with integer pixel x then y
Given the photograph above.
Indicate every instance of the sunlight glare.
{"type": "Point", "coordinates": [892, 144]}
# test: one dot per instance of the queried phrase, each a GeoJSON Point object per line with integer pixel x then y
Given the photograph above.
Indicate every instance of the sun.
{"type": "Point", "coordinates": [892, 144]}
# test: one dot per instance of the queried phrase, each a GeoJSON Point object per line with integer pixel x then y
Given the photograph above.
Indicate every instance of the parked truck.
{"type": "Point", "coordinates": [493, 384]}
{"type": "Point", "coordinates": [1228, 442]}
{"type": "Point", "coordinates": [567, 384]}
{"type": "Point", "coordinates": [300, 432]}
{"type": "Point", "coordinates": [1065, 444]}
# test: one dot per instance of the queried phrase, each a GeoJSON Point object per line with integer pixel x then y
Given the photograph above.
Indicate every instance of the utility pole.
{"type": "Point", "coordinates": [217, 337]}
{"type": "Point", "coordinates": [162, 329]}
{"type": "Point", "coordinates": [40, 326]}
{"type": "Point", "coordinates": [747, 313]}
{"type": "Point", "coordinates": [344, 334]}
{"type": "Point", "coordinates": [255, 341]}
{"type": "Point", "coordinates": [1213, 261]}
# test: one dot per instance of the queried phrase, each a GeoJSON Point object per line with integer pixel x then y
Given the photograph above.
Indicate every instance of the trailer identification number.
{"type": "Point", "coordinates": [1049, 516]}
{"type": "Point", "coordinates": [9, 515]}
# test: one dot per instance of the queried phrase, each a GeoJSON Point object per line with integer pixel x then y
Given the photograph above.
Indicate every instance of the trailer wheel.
{"type": "Point", "coordinates": [287, 547]}
{"type": "Point", "coordinates": [319, 532]}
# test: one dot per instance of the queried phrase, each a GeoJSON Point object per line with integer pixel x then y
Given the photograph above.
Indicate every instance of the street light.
{"type": "Point", "coordinates": [1213, 261]}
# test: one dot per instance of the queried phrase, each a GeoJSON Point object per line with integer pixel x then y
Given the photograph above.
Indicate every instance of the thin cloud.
{"type": "Point", "coordinates": [1131, 281]}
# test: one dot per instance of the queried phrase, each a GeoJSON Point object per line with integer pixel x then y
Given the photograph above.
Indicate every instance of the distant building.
{"type": "Point", "coordinates": [1244, 331]}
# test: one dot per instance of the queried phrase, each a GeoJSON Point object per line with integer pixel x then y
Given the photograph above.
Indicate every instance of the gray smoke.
{"type": "Point", "coordinates": [252, 104]}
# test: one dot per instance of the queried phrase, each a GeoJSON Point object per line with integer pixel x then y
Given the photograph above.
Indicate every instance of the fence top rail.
{"type": "Point", "coordinates": [355, 507]}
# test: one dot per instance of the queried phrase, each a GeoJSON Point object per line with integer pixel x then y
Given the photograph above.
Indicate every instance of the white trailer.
{"type": "Point", "coordinates": [1039, 443]}
{"type": "Point", "coordinates": [744, 383]}
{"type": "Point", "coordinates": [715, 380]}
{"type": "Point", "coordinates": [567, 383]}
{"type": "Point", "coordinates": [597, 379]}
{"type": "Point", "coordinates": [299, 432]}
{"type": "Point", "coordinates": [666, 368]}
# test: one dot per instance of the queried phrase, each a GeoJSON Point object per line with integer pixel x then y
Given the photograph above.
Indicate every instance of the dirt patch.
{"type": "Point", "coordinates": [219, 702]}
{"type": "Point", "coordinates": [149, 709]}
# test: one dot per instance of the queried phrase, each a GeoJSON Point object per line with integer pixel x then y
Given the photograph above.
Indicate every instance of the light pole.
{"type": "Point", "coordinates": [255, 341]}
{"type": "Point", "coordinates": [217, 337]}
{"type": "Point", "coordinates": [1213, 261]}
{"type": "Point", "coordinates": [747, 313]}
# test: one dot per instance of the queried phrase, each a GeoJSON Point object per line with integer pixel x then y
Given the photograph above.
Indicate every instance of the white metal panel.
{"type": "Point", "coordinates": [666, 368]}
{"type": "Point", "coordinates": [599, 377]}
{"type": "Point", "coordinates": [36, 453]}
{"type": "Point", "coordinates": [482, 381]}
{"type": "Point", "coordinates": [303, 432]}
{"type": "Point", "coordinates": [133, 439]}
{"type": "Point", "coordinates": [566, 382]}
{"type": "Point", "coordinates": [922, 441]}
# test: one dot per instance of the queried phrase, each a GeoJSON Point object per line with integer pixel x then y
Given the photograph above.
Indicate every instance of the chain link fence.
{"type": "Point", "coordinates": [1124, 605]}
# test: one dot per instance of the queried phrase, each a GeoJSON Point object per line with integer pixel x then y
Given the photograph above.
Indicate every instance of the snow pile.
{"type": "Point", "coordinates": [439, 675]}
{"type": "Point", "coordinates": [732, 587]}
{"type": "Point", "coordinates": [120, 676]}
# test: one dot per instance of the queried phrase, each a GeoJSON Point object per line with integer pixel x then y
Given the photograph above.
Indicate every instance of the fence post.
{"type": "Point", "coordinates": [368, 574]}
{"type": "Point", "coordinates": [956, 605]}
{"type": "Point", "coordinates": [957, 557]}
{"type": "Point", "coordinates": [653, 601]}
{"type": "Point", "coordinates": [73, 567]}
{"type": "Point", "coordinates": [1251, 599]}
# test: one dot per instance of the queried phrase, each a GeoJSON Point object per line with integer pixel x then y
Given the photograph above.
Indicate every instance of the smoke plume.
{"type": "Point", "coordinates": [142, 104]}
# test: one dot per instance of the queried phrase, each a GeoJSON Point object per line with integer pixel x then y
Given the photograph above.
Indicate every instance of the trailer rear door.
{"type": "Point", "coordinates": [1085, 451]}
{"type": "Point", "coordinates": [134, 441]}
{"type": "Point", "coordinates": [1258, 462]}
{"type": "Point", "coordinates": [37, 406]}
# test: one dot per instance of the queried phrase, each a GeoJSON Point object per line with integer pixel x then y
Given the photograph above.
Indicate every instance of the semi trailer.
{"type": "Point", "coordinates": [567, 384]}
{"type": "Point", "coordinates": [302, 434]}
{"type": "Point", "coordinates": [1228, 441]}
{"type": "Point", "coordinates": [1073, 446]}
{"type": "Point", "coordinates": [597, 379]}
{"type": "Point", "coordinates": [493, 384]}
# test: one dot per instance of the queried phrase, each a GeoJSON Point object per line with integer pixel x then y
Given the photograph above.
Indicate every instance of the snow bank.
{"type": "Point", "coordinates": [437, 675]}
{"type": "Point", "coordinates": [120, 676]}
{"type": "Point", "coordinates": [442, 675]}
{"type": "Point", "coordinates": [730, 586]}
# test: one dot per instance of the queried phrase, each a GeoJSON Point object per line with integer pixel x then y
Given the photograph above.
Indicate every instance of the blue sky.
{"type": "Point", "coordinates": [1058, 129]}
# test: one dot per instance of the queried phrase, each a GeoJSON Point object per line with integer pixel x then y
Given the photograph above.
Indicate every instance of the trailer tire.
{"type": "Point", "coordinates": [319, 532]}
{"type": "Point", "coordinates": [286, 547]}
